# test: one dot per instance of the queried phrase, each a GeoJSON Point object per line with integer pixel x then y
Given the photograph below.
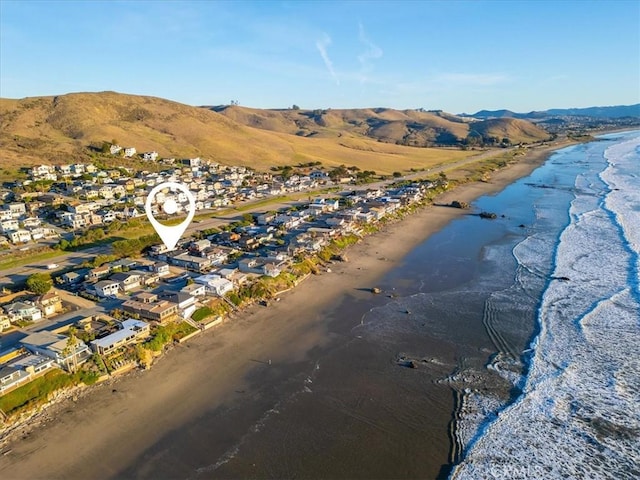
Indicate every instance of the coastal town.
{"type": "Point", "coordinates": [134, 297]}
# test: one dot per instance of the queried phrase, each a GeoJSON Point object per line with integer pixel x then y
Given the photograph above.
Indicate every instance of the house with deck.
{"type": "Point", "coordinates": [130, 331]}
{"type": "Point", "coordinates": [215, 284]}
{"type": "Point", "coordinates": [147, 305]}
{"type": "Point", "coordinates": [23, 311]}
{"type": "Point", "coordinates": [63, 350]}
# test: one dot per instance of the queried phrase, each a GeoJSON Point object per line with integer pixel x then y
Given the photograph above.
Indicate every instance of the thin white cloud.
{"type": "Point", "coordinates": [372, 52]}
{"type": "Point", "coordinates": [322, 45]}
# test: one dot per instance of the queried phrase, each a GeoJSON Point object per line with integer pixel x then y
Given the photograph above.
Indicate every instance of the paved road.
{"type": "Point", "coordinates": [16, 275]}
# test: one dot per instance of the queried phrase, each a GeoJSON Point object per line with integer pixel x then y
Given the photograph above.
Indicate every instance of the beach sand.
{"type": "Point", "coordinates": [211, 392]}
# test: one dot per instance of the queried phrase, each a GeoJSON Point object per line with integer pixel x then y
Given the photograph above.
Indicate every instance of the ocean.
{"type": "Point", "coordinates": [576, 414]}
{"type": "Point", "coordinates": [540, 313]}
{"type": "Point", "coordinates": [501, 348]}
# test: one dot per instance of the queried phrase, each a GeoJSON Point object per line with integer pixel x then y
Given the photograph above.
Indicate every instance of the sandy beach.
{"type": "Point", "coordinates": [103, 432]}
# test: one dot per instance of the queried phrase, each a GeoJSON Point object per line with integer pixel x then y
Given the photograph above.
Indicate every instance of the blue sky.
{"type": "Point", "coordinates": [458, 56]}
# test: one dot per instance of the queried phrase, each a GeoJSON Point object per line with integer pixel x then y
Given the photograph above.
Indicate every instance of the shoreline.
{"type": "Point", "coordinates": [144, 406]}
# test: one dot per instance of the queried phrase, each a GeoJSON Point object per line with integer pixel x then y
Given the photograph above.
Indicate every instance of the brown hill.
{"type": "Point", "coordinates": [517, 131]}
{"type": "Point", "coordinates": [417, 128]}
{"type": "Point", "coordinates": [62, 129]}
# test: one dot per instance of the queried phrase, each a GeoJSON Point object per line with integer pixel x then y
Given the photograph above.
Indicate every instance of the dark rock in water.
{"type": "Point", "coordinates": [403, 362]}
{"type": "Point", "coordinates": [457, 204]}
{"type": "Point", "coordinates": [489, 215]}
{"type": "Point", "coordinates": [521, 225]}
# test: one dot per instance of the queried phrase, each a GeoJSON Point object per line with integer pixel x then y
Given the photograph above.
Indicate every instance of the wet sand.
{"type": "Point", "coordinates": [193, 413]}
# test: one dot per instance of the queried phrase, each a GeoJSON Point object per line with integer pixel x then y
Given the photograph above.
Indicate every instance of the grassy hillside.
{"type": "Point", "coordinates": [416, 128]}
{"type": "Point", "coordinates": [61, 129]}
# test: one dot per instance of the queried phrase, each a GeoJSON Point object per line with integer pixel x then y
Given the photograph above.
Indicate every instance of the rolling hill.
{"type": "Point", "coordinates": [71, 128]}
{"type": "Point", "coordinates": [416, 128]}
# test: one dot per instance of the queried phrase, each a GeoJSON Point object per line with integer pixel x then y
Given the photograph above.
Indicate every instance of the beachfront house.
{"type": "Point", "coordinates": [22, 370]}
{"type": "Point", "coordinates": [186, 303]}
{"type": "Point", "coordinates": [130, 331]}
{"type": "Point", "coordinates": [258, 265]}
{"type": "Point", "coordinates": [215, 284]}
{"type": "Point", "coordinates": [195, 290]}
{"type": "Point", "coordinates": [148, 306]}
{"type": "Point", "coordinates": [65, 351]}
{"type": "Point", "coordinates": [11, 377]}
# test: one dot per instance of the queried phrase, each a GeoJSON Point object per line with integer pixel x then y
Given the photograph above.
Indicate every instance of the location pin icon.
{"type": "Point", "coordinates": [170, 234]}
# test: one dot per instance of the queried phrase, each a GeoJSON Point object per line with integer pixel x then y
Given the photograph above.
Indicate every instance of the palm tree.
{"type": "Point", "coordinates": [70, 348]}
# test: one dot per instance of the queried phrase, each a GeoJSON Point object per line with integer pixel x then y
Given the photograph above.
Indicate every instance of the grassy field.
{"type": "Point", "coordinates": [38, 130]}
{"type": "Point", "coordinates": [17, 260]}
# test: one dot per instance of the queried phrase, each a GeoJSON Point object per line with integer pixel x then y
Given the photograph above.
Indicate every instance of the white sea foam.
{"type": "Point", "coordinates": [578, 416]}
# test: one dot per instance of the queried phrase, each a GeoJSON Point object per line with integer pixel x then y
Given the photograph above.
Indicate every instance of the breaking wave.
{"type": "Point", "coordinates": [577, 415]}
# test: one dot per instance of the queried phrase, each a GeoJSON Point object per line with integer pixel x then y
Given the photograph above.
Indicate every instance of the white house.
{"type": "Point", "coordinates": [127, 280]}
{"type": "Point", "coordinates": [195, 289]}
{"type": "Point", "coordinates": [11, 377]}
{"type": "Point", "coordinates": [108, 216]}
{"type": "Point", "coordinates": [150, 156]}
{"type": "Point", "coordinates": [31, 222]}
{"type": "Point", "coordinates": [17, 209]}
{"type": "Point", "coordinates": [186, 302]}
{"type": "Point", "coordinates": [9, 226]}
{"type": "Point", "coordinates": [107, 288]}
{"type": "Point", "coordinates": [129, 151]}
{"type": "Point", "coordinates": [20, 236]}
{"type": "Point", "coordinates": [161, 268]}
{"type": "Point", "coordinates": [215, 284]}
{"type": "Point", "coordinates": [41, 171]}
{"type": "Point", "coordinates": [130, 331]}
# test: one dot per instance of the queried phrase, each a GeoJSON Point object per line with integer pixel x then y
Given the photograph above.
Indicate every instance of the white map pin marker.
{"type": "Point", "coordinates": [170, 234]}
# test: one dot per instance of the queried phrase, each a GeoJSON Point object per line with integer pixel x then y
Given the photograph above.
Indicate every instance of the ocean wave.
{"type": "Point", "coordinates": [577, 416]}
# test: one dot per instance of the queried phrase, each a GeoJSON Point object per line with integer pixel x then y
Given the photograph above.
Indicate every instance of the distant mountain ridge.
{"type": "Point", "coordinates": [617, 111]}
